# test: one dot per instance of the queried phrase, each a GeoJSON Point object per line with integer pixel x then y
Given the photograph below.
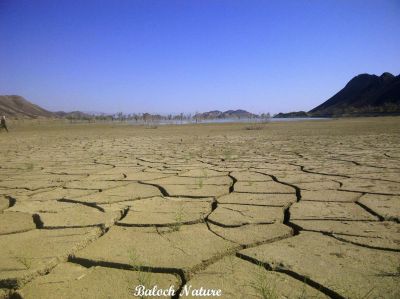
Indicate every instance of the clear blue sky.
{"type": "Point", "coordinates": [186, 56]}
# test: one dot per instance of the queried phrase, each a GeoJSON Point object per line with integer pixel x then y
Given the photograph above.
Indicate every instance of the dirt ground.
{"type": "Point", "coordinates": [279, 210]}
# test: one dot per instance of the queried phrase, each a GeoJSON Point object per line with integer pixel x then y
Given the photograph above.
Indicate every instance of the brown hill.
{"type": "Point", "coordinates": [17, 106]}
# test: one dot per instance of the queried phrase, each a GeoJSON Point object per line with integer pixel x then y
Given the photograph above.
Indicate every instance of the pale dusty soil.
{"type": "Point", "coordinates": [293, 210]}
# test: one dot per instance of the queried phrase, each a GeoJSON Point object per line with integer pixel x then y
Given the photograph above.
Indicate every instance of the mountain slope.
{"type": "Point", "coordinates": [363, 94]}
{"type": "Point", "coordinates": [295, 114]}
{"type": "Point", "coordinates": [17, 106]}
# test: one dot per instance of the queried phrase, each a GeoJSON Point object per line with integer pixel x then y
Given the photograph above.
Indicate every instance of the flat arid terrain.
{"type": "Point", "coordinates": [278, 210]}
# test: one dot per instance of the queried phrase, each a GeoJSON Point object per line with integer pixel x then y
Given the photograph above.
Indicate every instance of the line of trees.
{"type": "Point", "coordinates": [144, 117]}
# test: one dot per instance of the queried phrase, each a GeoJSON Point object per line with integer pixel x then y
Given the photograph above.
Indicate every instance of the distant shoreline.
{"type": "Point", "coordinates": [229, 120]}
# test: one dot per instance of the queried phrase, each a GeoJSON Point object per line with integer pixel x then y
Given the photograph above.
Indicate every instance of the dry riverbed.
{"type": "Point", "coordinates": [279, 210]}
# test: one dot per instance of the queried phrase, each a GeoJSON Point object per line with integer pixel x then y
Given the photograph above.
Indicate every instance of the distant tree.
{"type": "Point", "coordinates": [196, 116]}
{"type": "Point", "coordinates": [265, 116]}
{"type": "Point", "coordinates": [146, 117]}
{"type": "Point", "coordinates": [70, 118]}
{"type": "Point", "coordinates": [120, 116]}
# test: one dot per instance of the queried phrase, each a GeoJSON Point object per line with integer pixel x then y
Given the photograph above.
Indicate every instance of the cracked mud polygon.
{"type": "Point", "coordinates": [295, 210]}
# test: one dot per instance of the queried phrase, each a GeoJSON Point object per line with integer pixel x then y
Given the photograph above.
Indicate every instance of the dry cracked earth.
{"type": "Point", "coordinates": [290, 210]}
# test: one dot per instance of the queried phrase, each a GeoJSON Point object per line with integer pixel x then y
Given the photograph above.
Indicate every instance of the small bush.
{"type": "Point", "coordinates": [255, 127]}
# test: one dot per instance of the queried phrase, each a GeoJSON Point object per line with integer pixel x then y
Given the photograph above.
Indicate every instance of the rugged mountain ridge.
{"type": "Point", "coordinates": [364, 94]}
{"type": "Point", "coordinates": [17, 106]}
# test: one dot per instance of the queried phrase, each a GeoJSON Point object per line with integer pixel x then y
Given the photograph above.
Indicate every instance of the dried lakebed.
{"type": "Point", "coordinates": [291, 210]}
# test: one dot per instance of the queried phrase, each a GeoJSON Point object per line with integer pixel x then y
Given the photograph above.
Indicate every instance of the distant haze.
{"type": "Point", "coordinates": [192, 56]}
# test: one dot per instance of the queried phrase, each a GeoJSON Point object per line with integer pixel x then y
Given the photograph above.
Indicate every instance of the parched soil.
{"type": "Point", "coordinates": [288, 210]}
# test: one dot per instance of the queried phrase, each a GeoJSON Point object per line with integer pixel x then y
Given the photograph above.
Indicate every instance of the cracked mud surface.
{"type": "Point", "coordinates": [295, 210]}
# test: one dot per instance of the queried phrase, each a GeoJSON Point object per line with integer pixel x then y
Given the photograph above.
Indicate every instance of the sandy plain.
{"type": "Point", "coordinates": [283, 210]}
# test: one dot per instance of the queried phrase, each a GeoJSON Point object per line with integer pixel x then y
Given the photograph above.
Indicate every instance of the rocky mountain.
{"type": "Point", "coordinates": [17, 106]}
{"type": "Point", "coordinates": [296, 114]}
{"type": "Point", "coordinates": [209, 115]}
{"type": "Point", "coordinates": [216, 114]}
{"type": "Point", "coordinates": [364, 95]}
